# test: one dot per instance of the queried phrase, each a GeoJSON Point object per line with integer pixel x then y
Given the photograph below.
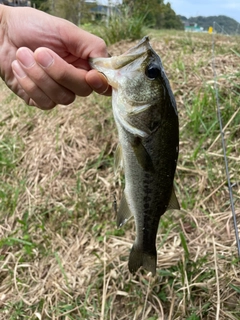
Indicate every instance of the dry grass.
{"type": "Point", "coordinates": [61, 256]}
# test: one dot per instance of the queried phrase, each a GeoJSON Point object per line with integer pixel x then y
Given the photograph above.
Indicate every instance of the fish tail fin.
{"type": "Point", "coordinates": [138, 258]}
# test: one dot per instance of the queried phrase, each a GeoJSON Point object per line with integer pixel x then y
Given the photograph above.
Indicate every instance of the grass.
{"type": "Point", "coordinates": [61, 255]}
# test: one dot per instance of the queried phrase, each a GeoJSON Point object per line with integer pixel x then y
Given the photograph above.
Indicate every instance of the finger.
{"type": "Point", "coordinates": [98, 82]}
{"type": "Point", "coordinates": [81, 43]}
{"type": "Point", "coordinates": [31, 94]}
{"type": "Point", "coordinates": [36, 82]}
{"type": "Point", "coordinates": [62, 72]}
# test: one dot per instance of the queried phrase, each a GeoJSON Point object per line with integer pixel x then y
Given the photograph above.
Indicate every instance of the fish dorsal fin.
{"type": "Point", "coordinates": [124, 212]}
{"type": "Point", "coordinates": [118, 158]}
{"type": "Point", "coordinates": [173, 203]}
{"type": "Point", "coordinates": [143, 157]}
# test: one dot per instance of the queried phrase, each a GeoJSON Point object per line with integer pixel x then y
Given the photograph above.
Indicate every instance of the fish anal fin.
{"type": "Point", "coordinates": [124, 212]}
{"type": "Point", "coordinates": [143, 157]}
{"type": "Point", "coordinates": [138, 259]}
{"type": "Point", "coordinates": [173, 203]}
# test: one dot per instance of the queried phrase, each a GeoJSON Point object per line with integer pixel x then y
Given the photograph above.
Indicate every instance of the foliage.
{"type": "Point", "coordinates": [169, 19]}
{"type": "Point", "coordinates": [76, 11]}
{"type": "Point", "coordinates": [152, 13]}
{"type": "Point", "coordinates": [127, 21]}
{"type": "Point", "coordinates": [158, 14]}
{"type": "Point", "coordinates": [43, 5]}
{"type": "Point", "coordinates": [121, 25]}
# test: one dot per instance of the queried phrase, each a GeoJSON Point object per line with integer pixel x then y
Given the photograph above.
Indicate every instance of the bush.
{"type": "Point", "coordinates": [121, 25]}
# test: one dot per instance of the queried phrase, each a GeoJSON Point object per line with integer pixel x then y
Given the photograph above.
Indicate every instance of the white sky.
{"type": "Point", "coordinates": [106, 2]}
{"type": "Point", "coordinates": [193, 8]}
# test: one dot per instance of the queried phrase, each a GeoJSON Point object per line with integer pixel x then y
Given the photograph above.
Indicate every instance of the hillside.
{"type": "Point", "coordinates": [223, 23]}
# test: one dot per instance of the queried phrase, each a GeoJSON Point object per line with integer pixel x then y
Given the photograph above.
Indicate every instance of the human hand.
{"type": "Point", "coordinates": [44, 59]}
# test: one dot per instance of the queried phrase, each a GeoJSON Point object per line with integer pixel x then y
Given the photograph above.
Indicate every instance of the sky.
{"type": "Point", "coordinates": [193, 8]}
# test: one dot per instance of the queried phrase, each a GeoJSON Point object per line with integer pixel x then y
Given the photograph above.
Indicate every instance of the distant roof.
{"type": "Point", "coordinates": [102, 9]}
{"type": "Point", "coordinates": [16, 3]}
{"type": "Point", "coordinates": [105, 2]}
{"type": "Point", "coordinates": [99, 9]}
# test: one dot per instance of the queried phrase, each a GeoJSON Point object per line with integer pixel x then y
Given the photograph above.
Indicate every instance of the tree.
{"type": "Point", "coordinates": [73, 10]}
{"type": "Point", "coordinates": [41, 5]}
{"type": "Point", "coordinates": [149, 8]}
{"type": "Point", "coordinates": [170, 19]}
{"type": "Point", "coordinates": [157, 14]}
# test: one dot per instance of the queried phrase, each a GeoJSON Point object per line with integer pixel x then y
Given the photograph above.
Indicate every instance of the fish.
{"type": "Point", "coordinates": [145, 113]}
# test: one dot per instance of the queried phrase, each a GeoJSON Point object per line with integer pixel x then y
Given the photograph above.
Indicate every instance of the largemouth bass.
{"type": "Point", "coordinates": [146, 116]}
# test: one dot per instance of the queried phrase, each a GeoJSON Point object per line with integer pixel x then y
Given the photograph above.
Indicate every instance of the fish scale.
{"type": "Point", "coordinates": [146, 117]}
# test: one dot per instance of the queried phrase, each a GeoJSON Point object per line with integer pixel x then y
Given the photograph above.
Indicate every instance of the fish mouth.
{"type": "Point", "coordinates": [108, 65]}
{"type": "Point", "coordinates": [117, 62]}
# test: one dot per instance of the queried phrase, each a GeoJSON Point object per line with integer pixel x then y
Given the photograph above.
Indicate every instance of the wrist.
{"type": "Point", "coordinates": [2, 14]}
{"type": "Point", "coordinates": [3, 22]}
{"type": "Point", "coordinates": [3, 30]}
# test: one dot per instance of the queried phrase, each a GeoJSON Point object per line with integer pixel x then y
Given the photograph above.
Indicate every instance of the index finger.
{"type": "Point", "coordinates": [98, 82]}
{"type": "Point", "coordinates": [63, 72]}
{"type": "Point", "coordinates": [81, 43]}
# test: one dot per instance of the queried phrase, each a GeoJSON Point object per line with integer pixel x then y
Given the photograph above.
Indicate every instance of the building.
{"type": "Point", "coordinates": [16, 3]}
{"type": "Point", "coordinates": [101, 12]}
{"type": "Point", "coordinates": [192, 27]}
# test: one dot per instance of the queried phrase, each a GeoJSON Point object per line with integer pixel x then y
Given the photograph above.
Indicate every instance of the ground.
{"type": "Point", "coordinates": [61, 255]}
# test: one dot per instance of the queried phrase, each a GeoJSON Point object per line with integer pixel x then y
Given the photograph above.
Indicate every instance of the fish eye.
{"type": "Point", "coordinates": [152, 72]}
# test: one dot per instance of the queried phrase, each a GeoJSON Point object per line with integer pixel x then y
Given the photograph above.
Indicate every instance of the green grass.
{"type": "Point", "coordinates": [61, 255]}
{"type": "Point", "coordinates": [10, 187]}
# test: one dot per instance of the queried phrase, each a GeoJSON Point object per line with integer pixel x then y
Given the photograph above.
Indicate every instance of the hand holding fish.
{"type": "Point", "coordinates": [44, 59]}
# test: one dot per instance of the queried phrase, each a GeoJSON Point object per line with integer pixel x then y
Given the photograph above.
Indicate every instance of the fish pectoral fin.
{"type": "Point", "coordinates": [118, 158]}
{"type": "Point", "coordinates": [138, 258]}
{"type": "Point", "coordinates": [124, 212]}
{"type": "Point", "coordinates": [143, 157]}
{"type": "Point", "coordinates": [173, 203]}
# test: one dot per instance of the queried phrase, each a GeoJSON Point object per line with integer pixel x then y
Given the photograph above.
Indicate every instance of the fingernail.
{"type": "Point", "coordinates": [100, 81]}
{"type": "Point", "coordinates": [17, 69]}
{"type": "Point", "coordinates": [25, 57]}
{"type": "Point", "coordinates": [44, 59]}
{"type": "Point", "coordinates": [104, 84]}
